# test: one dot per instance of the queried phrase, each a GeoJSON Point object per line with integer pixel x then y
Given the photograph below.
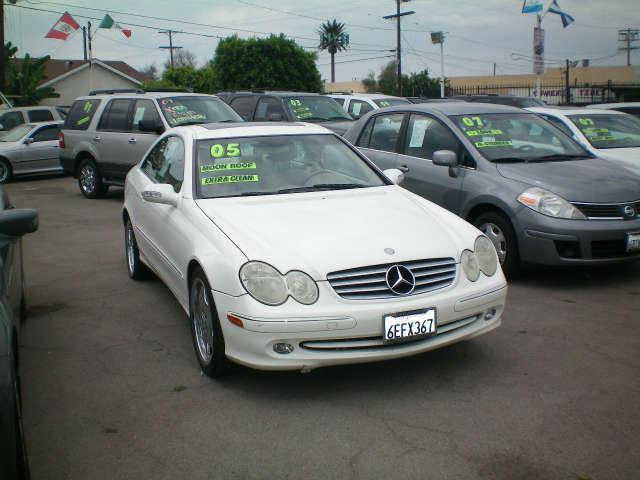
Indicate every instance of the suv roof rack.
{"type": "Point", "coordinates": [339, 93]}
{"type": "Point", "coordinates": [111, 91]}
{"type": "Point", "coordinates": [161, 90]}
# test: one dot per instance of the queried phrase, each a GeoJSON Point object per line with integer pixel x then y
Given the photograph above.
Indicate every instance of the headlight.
{"type": "Point", "coordinates": [301, 287]}
{"type": "Point", "coordinates": [267, 285]}
{"type": "Point", "coordinates": [470, 265]}
{"type": "Point", "coordinates": [487, 256]}
{"type": "Point", "coordinates": [548, 203]}
{"type": "Point", "coordinates": [264, 283]}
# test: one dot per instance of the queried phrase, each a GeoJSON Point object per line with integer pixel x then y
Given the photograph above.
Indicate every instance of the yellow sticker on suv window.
{"type": "Point", "coordinates": [230, 179]}
{"type": "Point", "coordinates": [228, 166]}
{"type": "Point", "coordinates": [495, 143]}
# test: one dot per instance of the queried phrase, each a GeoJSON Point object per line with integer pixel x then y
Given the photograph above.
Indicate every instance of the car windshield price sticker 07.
{"type": "Point", "coordinates": [404, 326]}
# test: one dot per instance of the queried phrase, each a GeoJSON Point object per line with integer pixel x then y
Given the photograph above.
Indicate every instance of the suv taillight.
{"type": "Point", "coordinates": [60, 139]}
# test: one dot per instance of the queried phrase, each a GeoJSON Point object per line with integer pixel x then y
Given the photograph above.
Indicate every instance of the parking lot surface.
{"type": "Point", "coordinates": [112, 390]}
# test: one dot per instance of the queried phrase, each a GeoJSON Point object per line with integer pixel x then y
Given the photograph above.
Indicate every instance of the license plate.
{"type": "Point", "coordinates": [633, 242]}
{"type": "Point", "coordinates": [404, 326]}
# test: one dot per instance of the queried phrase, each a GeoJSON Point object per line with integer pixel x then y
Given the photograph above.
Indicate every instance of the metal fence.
{"type": "Point", "coordinates": [556, 94]}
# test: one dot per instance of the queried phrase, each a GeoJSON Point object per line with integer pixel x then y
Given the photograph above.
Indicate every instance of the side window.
{"type": "Point", "coordinates": [426, 135]}
{"type": "Point", "coordinates": [144, 110]}
{"type": "Point", "coordinates": [81, 113]}
{"type": "Point", "coordinates": [386, 130]}
{"type": "Point", "coordinates": [365, 135]}
{"type": "Point", "coordinates": [358, 108]}
{"type": "Point", "coordinates": [115, 117]}
{"type": "Point", "coordinates": [165, 162]}
{"type": "Point", "coordinates": [46, 134]}
{"type": "Point", "coordinates": [244, 106]}
{"type": "Point", "coordinates": [40, 115]}
{"type": "Point", "coordinates": [10, 120]}
{"type": "Point", "coordinates": [268, 106]}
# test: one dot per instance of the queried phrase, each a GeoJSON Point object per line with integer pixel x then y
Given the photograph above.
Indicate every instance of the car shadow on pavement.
{"type": "Point", "coordinates": [577, 278]}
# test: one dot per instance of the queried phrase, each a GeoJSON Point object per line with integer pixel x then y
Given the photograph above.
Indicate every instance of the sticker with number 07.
{"type": "Point", "coordinates": [409, 325]}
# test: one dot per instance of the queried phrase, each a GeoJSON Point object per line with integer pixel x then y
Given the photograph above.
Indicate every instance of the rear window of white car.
{"type": "Point", "coordinates": [266, 165]}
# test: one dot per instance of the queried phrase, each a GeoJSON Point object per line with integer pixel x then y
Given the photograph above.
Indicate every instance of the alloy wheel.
{"type": "Point", "coordinates": [202, 320]}
{"type": "Point", "coordinates": [131, 252]}
{"type": "Point", "coordinates": [88, 178]}
{"type": "Point", "coordinates": [4, 172]}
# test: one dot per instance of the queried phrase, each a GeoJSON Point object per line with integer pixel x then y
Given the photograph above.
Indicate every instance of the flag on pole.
{"type": "Point", "coordinates": [532, 6]}
{"type": "Point", "coordinates": [107, 22]}
{"type": "Point", "coordinates": [564, 16]}
{"type": "Point", "coordinates": [63, 27]}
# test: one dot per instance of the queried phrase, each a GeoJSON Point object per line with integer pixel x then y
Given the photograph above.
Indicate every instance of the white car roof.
{"type": "Point", "coordinates": [240, 129]}
{"type": "Point", "coordinates": [607, 106]}
{"type": "Point", "coordinates": [573, 111]}
{"type": "Point", "coordinates": [370, 96]}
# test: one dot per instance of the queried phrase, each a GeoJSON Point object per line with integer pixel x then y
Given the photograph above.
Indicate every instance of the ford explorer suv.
{"type": "Point", "coordinates": [107, 132]}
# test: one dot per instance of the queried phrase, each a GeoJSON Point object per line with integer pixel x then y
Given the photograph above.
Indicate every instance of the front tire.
{"type": "Point", "coordinates": [208, 341]}
{"type": "Point", "coordinates": [90, 179]}
{"type": "Point", "coordinates": [498, 229]}
{"type": "Point", "coordinates": [6, 172]}
{"type": "Point", "coordinates": [136, 269]}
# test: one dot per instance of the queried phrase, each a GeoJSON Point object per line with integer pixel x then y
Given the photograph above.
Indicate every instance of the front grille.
{"type": "Point", "coordinates": [608, 210]}
{"type": "Point", "coordinates": [366, 283]}
{"type": "Point", "coordinates": [369, 343]}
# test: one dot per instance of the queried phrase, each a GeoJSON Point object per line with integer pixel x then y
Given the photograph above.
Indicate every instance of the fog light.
{"type": "Point", "coordinates": [282, 348]}
{"type": "Point", "coordinates": [490, 314]}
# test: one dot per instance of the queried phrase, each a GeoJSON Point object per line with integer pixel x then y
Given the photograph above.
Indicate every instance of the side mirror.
{"type": "Point", "coordinates": [396, 176]}
{"type": "Point", "coordinates": [445, 158]}
{"type": "Point", "coordinates": [160, 193]}
{"type": "Point", "coordinates": [29, 141]}
{"type": "Point", "coordinates": [17, 222]}
{"type": "Point", "coordinates": [150, 126]}
{"type": "Point", "coordinates": [275, 117]}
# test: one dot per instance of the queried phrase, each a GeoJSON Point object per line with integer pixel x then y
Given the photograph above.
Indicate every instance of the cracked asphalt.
{"type": "Point", "coordinates": [112, 389]}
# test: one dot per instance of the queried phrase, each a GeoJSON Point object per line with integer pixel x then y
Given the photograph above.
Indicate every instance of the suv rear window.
{"type": "Point", "coordinates": [81, 113]}
{"type": "Point", "coordinates": [40, 115]}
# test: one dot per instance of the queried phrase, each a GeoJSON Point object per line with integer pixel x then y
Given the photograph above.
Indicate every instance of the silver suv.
{"type": "Point", "coordinates": [107, 132]}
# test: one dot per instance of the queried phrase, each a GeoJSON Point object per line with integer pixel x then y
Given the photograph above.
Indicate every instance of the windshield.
{"type": "Point", "coordinates": [311, 108]}
{"type": "Point", "coordinates": [229, 167]}
{"type": "Point", "coordinates": [389, 102]}
{"type": "Point", "coordinates": [609, 130]}
{"type": "Point", "coordinates": [16, 133]}
{"type": "Point", "coordinates": [189, 110]}
{"type": "Point", "coordinates": [517, 137]}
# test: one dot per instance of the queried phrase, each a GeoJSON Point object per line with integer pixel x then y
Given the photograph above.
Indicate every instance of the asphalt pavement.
{"type": "Point", "coordinates": [112, 389]}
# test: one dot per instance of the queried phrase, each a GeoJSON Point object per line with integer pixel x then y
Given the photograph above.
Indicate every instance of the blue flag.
{"type": "Point", "coordinates": [564, 16]}
{"type": "Point", "coordinates": [531, 6]}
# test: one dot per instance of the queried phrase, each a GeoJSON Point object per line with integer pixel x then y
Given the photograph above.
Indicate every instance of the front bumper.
{"type": "Point", "coordinates": [335, 331]}
{"type": "Point", "coordinates": [557, 242]}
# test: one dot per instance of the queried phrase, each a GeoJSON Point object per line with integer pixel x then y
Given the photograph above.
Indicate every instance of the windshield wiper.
{"type": "Point", "coordinates": [322, 186]}
{"type": "Point", "coordinates": [558, 157]}
{"type": "Point", "coordinates": [510, 160]}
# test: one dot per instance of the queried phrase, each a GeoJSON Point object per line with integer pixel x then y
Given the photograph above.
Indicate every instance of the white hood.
{"type": "Point", "coordinates": [322, 232]}
{"type": "Point", "coordinates": [627, 157]}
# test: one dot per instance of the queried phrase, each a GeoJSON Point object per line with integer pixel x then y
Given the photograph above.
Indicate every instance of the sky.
{"type": "Point", "coordinates": [478, 33]}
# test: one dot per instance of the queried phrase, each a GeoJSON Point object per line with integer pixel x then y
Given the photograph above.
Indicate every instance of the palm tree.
{"type": "Point", "coordinates": [334, 39]}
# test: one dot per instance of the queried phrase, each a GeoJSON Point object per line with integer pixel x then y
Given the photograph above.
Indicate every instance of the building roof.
{"type": "Point", "coordinates": [57, 67]}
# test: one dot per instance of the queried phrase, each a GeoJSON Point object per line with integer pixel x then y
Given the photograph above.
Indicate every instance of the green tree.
{"type": "Point", "coordinates": [387, 79]}
{"type": "Point", "coordinates": [370, 84]}
{"type": "Point", "coordinates": [420, 85]}
{"type": "Point", "coordinates": [333, 38]}
{"type": "Point", "coordinates": [24, 78]}
{"type": "Point", "coordinates": [275, 62]}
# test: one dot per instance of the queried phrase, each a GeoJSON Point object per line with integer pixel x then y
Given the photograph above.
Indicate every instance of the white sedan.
{"type": "Point", "coordinates": [288, 249]}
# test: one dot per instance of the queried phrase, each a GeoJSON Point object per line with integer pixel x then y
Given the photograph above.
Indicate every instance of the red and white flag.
{"type": "Point", "coordinates": [63, 27]}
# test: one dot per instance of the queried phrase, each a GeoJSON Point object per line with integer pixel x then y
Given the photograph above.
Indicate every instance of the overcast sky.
{"type": "Point", "coordinates": [479, 32]}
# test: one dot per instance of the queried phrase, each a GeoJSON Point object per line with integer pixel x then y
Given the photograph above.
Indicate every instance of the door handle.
{"type": "Point", "coordinates": [96, 138]}
{"type": "Point", "coordinates": [132, 140]}
{"type": "Point", "coordinates": [403, 168]}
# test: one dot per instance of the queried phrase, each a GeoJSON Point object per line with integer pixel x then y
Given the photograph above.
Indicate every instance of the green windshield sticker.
{"type": "Point", "coordinates": [230, 179]}
{"type": "Point", "coordinates": [472, 121]}
{"type": "Point", "coordinates": [87, 107]}
{"type": "Point", "coordinates": [603, 138]}
{"type": "Point", "coordinates": [475, 133]}
{"type": "Point", "coordinates": [295, 102]}
{"type": "Point", "coordinates": [82, 121]}
{"type": "Point", "coordinates": [591, 131]}
{"type": "Point", "coordinates": [495, 143]}
{"type": "Point", "coordinates": [586, 122]}
{"type": "Point", "coordinates": [227, 166]}
{"type": "Point", "coordinates": [230, 150]}
{"type": "Point", "coordinates": [384, 103]}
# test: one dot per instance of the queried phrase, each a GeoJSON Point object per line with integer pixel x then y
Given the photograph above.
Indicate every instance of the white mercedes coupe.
{"type": "Point", "coordinates": [288, 249]}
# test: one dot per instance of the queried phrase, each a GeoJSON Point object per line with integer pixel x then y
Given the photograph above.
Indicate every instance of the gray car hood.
{"type": "Point", "coordinates": [590, 180]}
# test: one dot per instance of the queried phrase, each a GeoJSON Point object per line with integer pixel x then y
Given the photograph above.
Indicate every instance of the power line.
{"type": "Point", "coordinates": [358, 60]}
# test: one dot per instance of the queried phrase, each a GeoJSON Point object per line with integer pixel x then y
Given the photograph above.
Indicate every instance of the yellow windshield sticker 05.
{"type": "Point", "coordinates": [472, 121]}
{"type": "Point", "coordinates": [495, 143]}
{"type": "Point", "coordinates": [227, 166]}
{"type": "Point", "coordinates": [230, 179]}
{"type": "Point", "coordinates": [230, 150]}
{"type": "Point", "coordinates": [475, 133]}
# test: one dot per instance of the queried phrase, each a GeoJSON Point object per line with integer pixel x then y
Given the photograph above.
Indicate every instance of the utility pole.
{"type": "Point", "coordinates": [84, 41]}
{"type": "Point", "coordinates": [171, 47]}
{"type": "Point", "coordinates": [567, 86]}
{"type": "Point", "coordinates": [438, 37]}
{"type": "Point", "coordinates": [627, 36]}
{"type": "Point", "coordinates": [397, 16]}
{"type": "Point", "coordinates": [494, 69]}
{"type": "Point", "coordinates": [2, 65]}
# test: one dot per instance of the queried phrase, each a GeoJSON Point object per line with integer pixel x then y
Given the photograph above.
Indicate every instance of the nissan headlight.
{"type": "Point", "coordinates": [470, 265]}
{"type": "Point", "coordinates": [486, 255]}
{"type": "Point", "coordinates": [267, 285]}
{"type": "Point", "coordinates": [550, 204]}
